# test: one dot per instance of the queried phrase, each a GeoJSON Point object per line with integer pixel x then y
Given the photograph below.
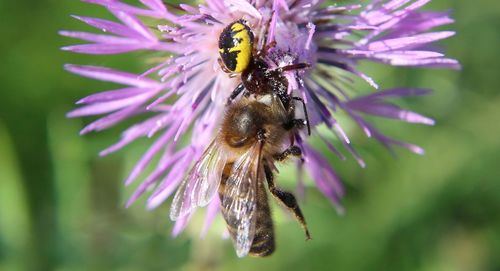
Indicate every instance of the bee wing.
{"type": "Point", "coordinates": [199, 186]}
{"type": "Point", "coordinates": [240, 198]}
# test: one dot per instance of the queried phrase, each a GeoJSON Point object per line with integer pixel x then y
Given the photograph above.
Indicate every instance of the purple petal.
{"type": "Point", "coordinates": [106, 107]}
{"type": "Point", "coordinates": [180, 225]}
{"type": "Point", "coordinates": [418, 23]}
{"type": "Point", "coordinates": [212, 210]}
{"type": "Point", "coordinates": [395, 92]}
{"type": "Point", "coordinates": [149, 155]}
{"type": "Point", "coordinates": [98, 38]}
{"type": "Point", "coordinates": [112, 95]}
{"type": "Point", "coordinates": [114, 5]}
{"type": "Point", "coordinates": [172, 180]}
{"type": "Point", "coordinates": [404, 42]}
{"type": "Point", "coordinates": [136, 25]}
{"type": "Point", "coordinates": [109, 26]}
{"type": "Point", "coordinates": [386, 141]}
{"type": "Point", "coordinates": [323, 174]}
{"type": "Point", "coordinates": [103, 49]}
{"type": "Point", "coordinates": [110, 75]}
{"type": "Point", "coordinates": [245, 6]}
{"type": "Point", "coordinates": [155, 5]}
{"type": "Point", "coordinates": [168, 160]}
{"type": "Point", "coordinates": [390, 111]}
{"type": "Point", "coordinates": [135, 131]}
{"type": "Point", "coordinates": [109, 120]}
{"type": "Point", "coordinates": [428, 63]}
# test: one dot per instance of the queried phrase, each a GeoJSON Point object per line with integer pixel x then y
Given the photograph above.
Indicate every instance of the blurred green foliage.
{"type": "Point", "coordinates": [62, 206]}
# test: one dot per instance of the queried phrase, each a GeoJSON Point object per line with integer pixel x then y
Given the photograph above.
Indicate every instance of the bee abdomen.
{"type": "Point", "coordinates": [263, 241]}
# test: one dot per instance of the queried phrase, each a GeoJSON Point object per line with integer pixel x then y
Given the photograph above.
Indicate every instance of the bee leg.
{"type": "Point", "coordinates": [235, 93]}
{"type": "Point", "coordinates": [292, 150]}
{"type": "Point", "coordinates": [287, 199]}
{"type": "Point", "coordinates": [305, 113]}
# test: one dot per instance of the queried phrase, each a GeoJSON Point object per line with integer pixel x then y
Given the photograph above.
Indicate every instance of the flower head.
{"type": "Point", "coordinates": [331, 39]}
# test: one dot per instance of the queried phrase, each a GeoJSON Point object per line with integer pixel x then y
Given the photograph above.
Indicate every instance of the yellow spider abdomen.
{"type": "Point", "coordinates": [235, 46]}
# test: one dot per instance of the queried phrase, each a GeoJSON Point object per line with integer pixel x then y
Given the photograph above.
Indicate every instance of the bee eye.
{"type": "Point", "coordinates": [235, 46]}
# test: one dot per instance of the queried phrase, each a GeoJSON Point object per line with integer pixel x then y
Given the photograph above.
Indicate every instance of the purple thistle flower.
{"type": "Point", "coordinates": [332, 39]}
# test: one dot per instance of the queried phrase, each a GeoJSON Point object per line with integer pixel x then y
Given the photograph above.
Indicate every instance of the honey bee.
{"type": "Point", "coordinates": [236, 164]}
{"type": "Point", "coordinates": [257, 131]}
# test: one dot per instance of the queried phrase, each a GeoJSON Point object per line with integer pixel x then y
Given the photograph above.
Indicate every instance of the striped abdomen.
{"type": "Point", "coordinates": [263, 241]}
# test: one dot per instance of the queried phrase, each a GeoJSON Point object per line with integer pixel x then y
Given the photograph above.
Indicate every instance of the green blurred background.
{"type": "Point", "coordinates": [62, 206]}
